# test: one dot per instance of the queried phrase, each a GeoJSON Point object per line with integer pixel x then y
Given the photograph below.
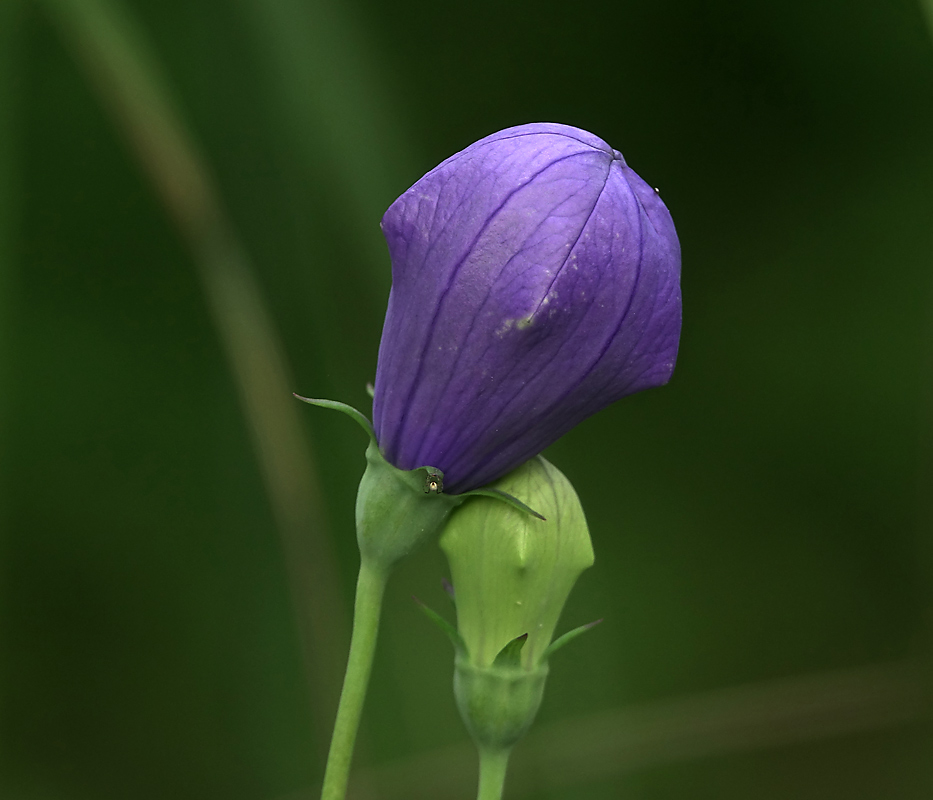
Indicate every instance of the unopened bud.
{"type": "Point", "coordinates": [512, 573]}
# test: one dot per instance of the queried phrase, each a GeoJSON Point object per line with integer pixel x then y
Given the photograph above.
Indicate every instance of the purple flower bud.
{"type": "Point", "coordinates": [535, 280]}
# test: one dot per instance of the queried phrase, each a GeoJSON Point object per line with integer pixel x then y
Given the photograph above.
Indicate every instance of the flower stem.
{"type": "Point", "coordinates": [370, 587]}
{"type": "Point", "coordinates": [492, 767]}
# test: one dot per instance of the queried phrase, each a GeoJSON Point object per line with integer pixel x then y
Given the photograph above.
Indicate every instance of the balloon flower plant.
{"type": "Point", "coordinates": [535, 280]}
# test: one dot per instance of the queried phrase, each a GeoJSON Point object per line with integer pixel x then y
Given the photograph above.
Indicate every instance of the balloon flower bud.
{"type": "Point", "coordinates": [512, 574]}
{"type": "Point", "coordinates": [535, 280]}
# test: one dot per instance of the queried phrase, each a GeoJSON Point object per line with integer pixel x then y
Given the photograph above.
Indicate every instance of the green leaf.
{"type": "Point", "coordinates": [511, 654]}
{"type": "Point", "coordinates": [505, 497]}
{"type": "Point", "coordinates": [560, 641]}
{"type": "Point", "coordinates": [350, 411]}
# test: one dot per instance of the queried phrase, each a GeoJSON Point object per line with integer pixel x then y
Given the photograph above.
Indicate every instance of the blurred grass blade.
{"type": "Point", "coordinates": [10, 29]}
{"type": "Point", "coordinates": [127, 77]}
{"type": "Point", "coordinates": [335, 104]}
{"type": "Point", "coordinates": [573, 752]}
{"type": "Point", "coordinates": [927, 7]}
{"type": "Point", "coordinates": [10, 38]}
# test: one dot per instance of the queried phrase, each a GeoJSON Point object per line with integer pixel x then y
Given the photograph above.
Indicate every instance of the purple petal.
{"type": "Point", "coordinates": [535, 280]}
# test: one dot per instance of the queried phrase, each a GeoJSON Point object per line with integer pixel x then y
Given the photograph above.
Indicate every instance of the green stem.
{"type": "Point", "coordinates": [369, 590]}
{"type": "Point", "coordinates": [492, 767]}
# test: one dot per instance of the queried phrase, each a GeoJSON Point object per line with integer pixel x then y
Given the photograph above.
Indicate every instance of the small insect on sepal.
{"type": "Point", "coordinates": [433, 483]}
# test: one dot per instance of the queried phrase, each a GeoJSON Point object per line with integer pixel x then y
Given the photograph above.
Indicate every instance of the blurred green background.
{"type": "Point", "coordinates": [190, 193]}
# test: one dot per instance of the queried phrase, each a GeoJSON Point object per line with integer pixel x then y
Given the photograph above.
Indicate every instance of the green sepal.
{"type": "Point", "coordinates": [371, 391]}
{"type": "Point", "coordinates": [511, 654]}
{"type": "Point", "coordinates": [350, 411]}
{"type": "Point", "coordinates": [505, 497]}
{"type": "Point", "coordinates": [498, 704]}
{"type": "Point", "coordinates": [455, 638]}
{"type": "Point", "coordinates": [396, 510]}
{"type": "Point", "coordinates": [560, 641]}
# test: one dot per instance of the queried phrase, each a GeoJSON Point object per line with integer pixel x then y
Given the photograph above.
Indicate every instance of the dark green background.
{"type": "Point", "coordinates": [763, 521]}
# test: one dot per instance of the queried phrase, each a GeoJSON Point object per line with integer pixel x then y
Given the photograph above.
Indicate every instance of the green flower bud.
{"type": "Point", "coordinates": [512, 574]}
